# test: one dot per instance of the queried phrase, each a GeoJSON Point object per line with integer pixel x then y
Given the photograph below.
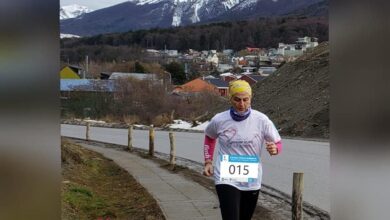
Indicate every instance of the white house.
{"type": "Point", "coordinates": [307, 42]}
{"type": "Point", "coordinates": [223, 67]}
{"type": "Point", "coordinates": [213, 59]}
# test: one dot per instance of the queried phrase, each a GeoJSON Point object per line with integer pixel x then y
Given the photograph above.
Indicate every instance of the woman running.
{"type": "Point", "coordinates": [241, 133]}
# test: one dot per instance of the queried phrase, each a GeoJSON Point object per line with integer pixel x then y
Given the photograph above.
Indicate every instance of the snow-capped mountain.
{"type": "Point", "coordinates": [72, 11]}
{"type": "Point", "coordinates": [145, 14]}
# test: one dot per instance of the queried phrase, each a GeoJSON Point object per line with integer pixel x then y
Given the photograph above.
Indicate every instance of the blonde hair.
{"type": "Point", "coordinates": [238, 86]}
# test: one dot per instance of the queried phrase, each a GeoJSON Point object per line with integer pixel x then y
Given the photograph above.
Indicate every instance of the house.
{"type": "Point", "coordinates": [253, 49]}
{"type": "Point", "coordinates": [266, 70]}
{"type": "Point", "coordinates": [302, 44]}
{"type": "Point", "coordinates": [265, 61]}
{"type": "Point", "coordinates": [252, 78]}
{"type": "Point", "coordinates": [227, 77]}
{"type": "Point", "coordinates": [157, 78]}
{"type": "Point", "coordinates": [86, 85]}
{"type": "Point", "coordinates": [248, 79]}
{"type": "Point", "coordinates": [256, 77]}
{"type": "Point", "coordinates": [71, 72]}
{"type": "Point", "coordinates": [222, 86]}
{"type": "Point", "coordinates": [289, 50]}
{"type": "Point", "coordinates": [193, 86]}
{"type": "Point", "coordinates": [213, 59]}
{"type": "Point", "coordinates": [248, 69]}
{"type": "Point", "coordinates": [223, 67]}
{"type": "Point", "coordinates": [204, 84]}
{"type": "Point", "coordinates": [307, 42]}
{"type": "Point", "coordinates": [228, 52]}
{"type": "Point", "coordinates": [94, 90]}
{"type": "Point", "coordinates": [171, 53]}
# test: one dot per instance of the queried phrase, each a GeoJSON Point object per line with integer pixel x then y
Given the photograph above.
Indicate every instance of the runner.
{"type": "Point", "coordinates": [241, 133]}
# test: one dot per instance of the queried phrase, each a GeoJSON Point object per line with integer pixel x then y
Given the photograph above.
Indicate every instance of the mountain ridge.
{"type": "Point", "coordinates": [73, 11]}
{"type": "Point", "coordinates": [133, 15]}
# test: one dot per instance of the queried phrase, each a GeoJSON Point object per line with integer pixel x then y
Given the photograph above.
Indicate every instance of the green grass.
{"type": "Point", "coordinates": [82, 199]}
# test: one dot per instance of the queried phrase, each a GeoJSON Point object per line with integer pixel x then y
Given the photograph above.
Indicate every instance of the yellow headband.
{"type": "Point", "coordinates": [238, 86]}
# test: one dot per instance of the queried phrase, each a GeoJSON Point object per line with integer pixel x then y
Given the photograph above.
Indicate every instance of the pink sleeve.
{"type": "Point", "coordinates": [279, 146]}
{"type": "Point", "coordinates": [209, 145]}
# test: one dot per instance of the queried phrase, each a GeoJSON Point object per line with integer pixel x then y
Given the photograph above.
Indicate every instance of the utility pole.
{"type": "Point", "coordinates": [86, 66]}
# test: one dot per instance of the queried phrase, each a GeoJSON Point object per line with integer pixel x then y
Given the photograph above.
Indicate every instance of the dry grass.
{"type": "Point", "coordinates": [131, 119]}
{"type": "Point", "coordinates": [161, 120]}
{"type": "Point", "coordinates": [94, 187]}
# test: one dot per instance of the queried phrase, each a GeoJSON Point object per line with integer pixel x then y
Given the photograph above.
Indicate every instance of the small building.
{"type": "Point", "coordinates": [157, 78]}
{"type": "Point", "coordinates": [213, 59]}
{"type": "Point", "coordinates": [248, 79]}
{"type": "Point", "coordinates": [222, 86]}
{"type": "Point", "coordinates": [228, 52]}
{"type": "Point", "coordinates": [266, 70]}
{"type": "Point", "coordinates": [202, 85]}
{"type": "Point", "coordinates": [71, 72]}
{"type": "Point", "coordinates": [307, 42]}
{"type": "Point", "coordinates": [252, 78]}
{"type": "Point", "coordinates": [223, 67]}
{"type": "Point", "coordinates": [172, 53]}
{"type": "Point", "coordinates": [248, 69]}
{"type": "Point", "coordinates": [86, 85]}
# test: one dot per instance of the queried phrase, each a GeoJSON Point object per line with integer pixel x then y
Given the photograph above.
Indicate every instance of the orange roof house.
{"type": "Point", "coordinates": [196, 85]}
{"type": "Point", "coordinates": [201, 85]}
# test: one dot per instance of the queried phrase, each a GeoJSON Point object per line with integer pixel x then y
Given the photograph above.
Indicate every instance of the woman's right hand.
{"type": "Point", "coordinates": [208, 169]}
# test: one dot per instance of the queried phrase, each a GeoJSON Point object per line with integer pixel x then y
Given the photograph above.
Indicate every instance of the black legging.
{"type": "Point", "coordinates": [236, 204]}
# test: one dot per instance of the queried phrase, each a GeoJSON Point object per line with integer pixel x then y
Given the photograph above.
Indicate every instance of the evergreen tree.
{"type": "Point", "coordinates": [138, 67]}
{"type": "Point", "coordinates": [177, 72]}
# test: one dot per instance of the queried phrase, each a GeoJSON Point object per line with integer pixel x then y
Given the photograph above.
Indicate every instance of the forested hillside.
{"type": "Point", "coordinates": [236, 35]}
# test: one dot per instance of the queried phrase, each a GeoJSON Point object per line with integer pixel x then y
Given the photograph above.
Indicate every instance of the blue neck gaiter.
{"type": "Point", "coordinates": [239, 116]}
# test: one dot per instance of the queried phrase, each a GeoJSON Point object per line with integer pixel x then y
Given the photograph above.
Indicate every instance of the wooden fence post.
{"type": "Point", "coordinates": [297, 199]}
{"type": "Point", "coordinates": [151, 141]}
{"type": "Point", "coordinates": [129, 138]}
{"type": "Point", "coordinates": [87, 132]}
{"type": "Point", "coordinates": [172, 160]}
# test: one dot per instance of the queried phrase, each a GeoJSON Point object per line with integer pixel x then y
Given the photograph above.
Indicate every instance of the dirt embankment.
{"type": "Point", "coordinates": [94, 187]}
{"type": "Point", "coordinates": [296, 96]}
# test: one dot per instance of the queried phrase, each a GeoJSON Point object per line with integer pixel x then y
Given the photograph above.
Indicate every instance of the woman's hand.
{"type": "Point", "coordinates": [208, 169]}
{"type": "Point", "coordinates": [271, 148]}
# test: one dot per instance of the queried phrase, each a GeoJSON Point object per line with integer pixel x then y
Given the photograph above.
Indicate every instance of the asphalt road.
{"type": "Point", "coordinates": [310, 157]}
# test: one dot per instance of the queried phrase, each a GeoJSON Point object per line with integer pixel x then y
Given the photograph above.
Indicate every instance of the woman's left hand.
{"type": "Point", "coordinates": [271, 148]}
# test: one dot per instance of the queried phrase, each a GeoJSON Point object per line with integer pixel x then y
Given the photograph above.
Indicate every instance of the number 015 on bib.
{"type": "Point", "coordinates": [240, 168]}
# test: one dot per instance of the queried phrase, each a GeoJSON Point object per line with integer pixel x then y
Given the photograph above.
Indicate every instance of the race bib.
{"type": "Point", "coordinates": [239, 168]}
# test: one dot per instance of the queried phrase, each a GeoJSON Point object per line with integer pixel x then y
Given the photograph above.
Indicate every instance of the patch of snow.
{"type": "Point", "coordinates": [180, 124]}
{"type": "Point", "coordinates": [245, 4]}
{"type": "Point", "coordinates": [94, 121]}
{"type": "Point", "coordinates": [139, 126]}
{"type": "Point", "coordinates": [226, 74]}
{"type": "Point", "coordinates": [230, 3]}
{"type": "Point", "coordinates": [68, 36]}
{"type": "Point", "coordinates": [72, 11]}
{"type": "Point", "coordinates": [144, 2]}
{"type": "Point", "coordinates": [195, 18]}
{"type": "Point", "coordinates": [201, 127]}
{"type": "Point", "coordinates": [177, 14]}
{"type": "Point", "coordinates": [180, 1]}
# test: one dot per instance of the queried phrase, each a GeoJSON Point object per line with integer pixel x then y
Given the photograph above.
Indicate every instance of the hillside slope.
{"type": "Point", "coordinates": [296, 96]}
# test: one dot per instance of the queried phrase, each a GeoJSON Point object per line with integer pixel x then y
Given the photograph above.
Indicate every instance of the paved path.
{"type": "Point", "coordinates": [310, 157]}
{"type": "Point", "coordinates": [178, 198]}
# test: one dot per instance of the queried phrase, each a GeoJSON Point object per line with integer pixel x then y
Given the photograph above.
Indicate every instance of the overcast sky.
{"type": "Point", "coordinates": [92, 4]}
